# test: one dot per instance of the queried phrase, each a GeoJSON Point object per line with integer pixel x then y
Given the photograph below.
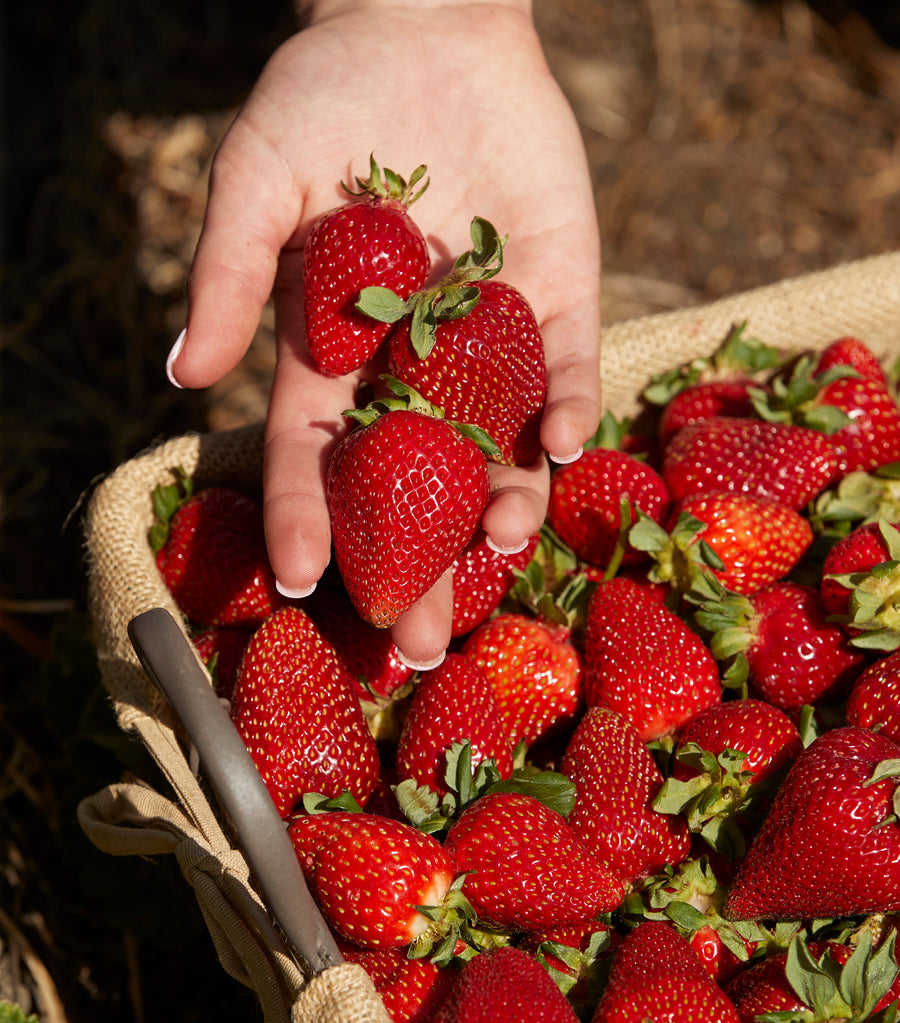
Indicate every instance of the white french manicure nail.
{"type": "Point", "coordinates": [567, 459]}
{"type": "Point", "coordinates": [497, 549]}
{"type": "Point", "coordinates": [172, 356]}
{"type": "Point", "coordinates": [422, 665]}
{"type": "Point", "coordinates": [294, 594]}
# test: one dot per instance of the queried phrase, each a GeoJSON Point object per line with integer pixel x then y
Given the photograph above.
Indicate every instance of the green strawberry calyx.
{"type": "Point", "coordinates": [874, 604]}
{"type": "Point", "coordinates": [408, 399]}
{"type": "Point", "coordinates": [167, 499]}
{"type": "Point", "coordinates": [839, 992]}
{"type": "Point", "coordinates": [454, 296]}
{"type": "Point", "coordinates": [737, 356]}
{"type": "Point", "coordinates": [859, 498]}
{"type": "Point", "coordinates": [794, 398]}
{"type": "Point", "coordinates": [681, 556]}
{"type": "Point", "coordinates": [383, 183]}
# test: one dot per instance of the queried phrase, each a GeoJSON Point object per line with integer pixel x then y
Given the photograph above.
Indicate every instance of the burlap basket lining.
{"type": "Point", "coordinates": [130, 818]}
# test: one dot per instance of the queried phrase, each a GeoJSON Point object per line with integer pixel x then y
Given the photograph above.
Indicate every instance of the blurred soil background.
{"type": "Point", "coordinates": [732, 144]}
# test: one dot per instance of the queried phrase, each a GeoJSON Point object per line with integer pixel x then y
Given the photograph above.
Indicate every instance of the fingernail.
{"type": "Point", "coordinates": [422, 665]}
{"type": "Point", "coordinates": [567, 459]}
{"type": "Point", "coordinates": [497, 549]}
{"type": "Point", "coordinates": [294, 594]}
{"type": "Point", "coordinates": [172, 356]}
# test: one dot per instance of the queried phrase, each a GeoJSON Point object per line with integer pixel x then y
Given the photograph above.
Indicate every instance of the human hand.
{"type": "Point", "coordinates": [463, 88]}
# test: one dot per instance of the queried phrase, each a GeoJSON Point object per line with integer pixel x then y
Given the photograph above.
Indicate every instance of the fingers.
{"type": "Point", "coordinates": [422, 633]}
{"type": "Point", "coordinates": [518, 504]}
{"type": "Point", "coordinates": [253, 208]}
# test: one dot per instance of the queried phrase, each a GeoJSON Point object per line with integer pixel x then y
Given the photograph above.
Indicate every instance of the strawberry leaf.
{"type": "Point", "coordinates": [552, 789]}
{"type": "Point", "coordinates": [382, 304]}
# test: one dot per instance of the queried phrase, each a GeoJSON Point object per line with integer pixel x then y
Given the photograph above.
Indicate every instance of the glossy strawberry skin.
{"type": "Point", "coordinates": [643, 661]}
{"type": "Point", "coordinates": [758, 540]}
{"type": "Point", "coordinates": [874, 700]}
{"type": "Point", "coordinates": [505, 984]}
{"type": "Point", "coordinates": [411, 989]}
{"type": "Point", "coordinates": [528, 869]}
{"type": "Point", "coordinates": [364, 243]}
{"type": "Point", "coordinates": [727, 397]}
{"type": "Point", "coordinates": [369, 873]}
{"type": "Point", "coordinates": [828, 846]}
{"type": "Point", "coordinates": [451, 703]}
{"type": "Point", "coordinates": [797, 655]}
{"type": "Point", "coordinates": [486, 368]}
{"type": "Point", "coordinates": [616, 781]}
{"type": "Point", "coordinates": [782, 462]}
{"type": "Point", "coordinates": [296, 711]}
{"type": "Point", "coordinates": [655, 974]}
{"type": "Point", "coordinates": [214, 560]}
{"type": "Point", "coordinates": [767, 735]}
{"type": "Point", "coordinates": [872, 437]}
{"type": "Point", "coordinates": [585, 497]}
{"type": "Point", "coordinates": [535, 671]}
{"type": "Point", "coordinates": [481, 579]}
{"type": "Point", "coordinates": [405, 495]}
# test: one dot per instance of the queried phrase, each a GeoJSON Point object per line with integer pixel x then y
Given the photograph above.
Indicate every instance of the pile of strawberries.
{"type": "Point", "coordinates": [657, 776]}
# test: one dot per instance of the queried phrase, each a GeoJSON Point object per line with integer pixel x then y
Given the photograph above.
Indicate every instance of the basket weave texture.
{"type": "Point", "coordinates": [131, 818]}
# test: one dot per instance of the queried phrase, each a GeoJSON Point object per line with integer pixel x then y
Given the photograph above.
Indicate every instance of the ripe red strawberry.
{"type": "Point", "coordinates": [779, 461]}
{"type": "Point", "coordinates": [616, 780]}
{"type": "Point", "coordinates": [369, 655]}
{"type": "Point", "coordinates": [451, 703]}
{"type": "Point", "coordinates": [505, 984]}
{"type": "Point", "coordinates": [830, 824]}
{"type": "Point", "coordinates": [534, 669]}
{"type": "Point", "coordinates": [806, 981]}
{"type": "Point", "coordinates": [655, 974]}
{"type": "Point", "coordinates": [211, 551]}
{"type": "Point", "coordinates": [643, 661]}
{"type": "Point", "coordinates": [723, 758]}
{"type": "Point", "coordinates": [371, 241]}
{"type": "Point", "coordinates": [781, 641]}
{"type": "Point", "coordinates": [369, 874]}
{"type": "Point", "coordinates": [411, 989]}
{"type": "Point", "coordinates": [874, 700]}
{"type": "Point", "coordinates": [585, 507]}
{"type": "Point", "coordinates": [756, 539]}
{"type": "Point", "coordinates": [861, 584]}
{"type": "Point", "coordinates": [296, 711]}
{"type": "Point", "coordinates": [221, 648]}
{"type": "Point", "coordinates": [702, 400]}
{"type": "Point", "coordinates": [872, 436]}
{"type": "Point", "coordinates": [405, 492]}
{"type": "Point", "coordinates": [486, 367]}
{"type": "Point", "coordinates": [527, 869]}
{"type": "Point", "coordinates": [481, 579]}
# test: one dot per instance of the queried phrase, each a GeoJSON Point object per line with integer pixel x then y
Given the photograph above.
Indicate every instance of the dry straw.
{"type": "Point", "coordinates": [129, 818]}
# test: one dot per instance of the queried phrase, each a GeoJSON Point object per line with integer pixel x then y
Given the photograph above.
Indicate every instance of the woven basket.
{"type": "Point", "coordinates": [130, 818]}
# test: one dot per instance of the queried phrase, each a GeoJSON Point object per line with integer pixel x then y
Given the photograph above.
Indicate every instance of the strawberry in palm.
{"type": "Point", "coordinates": [371, 241]}
{"type": "Point", "coordinates": [473, 346]}
{"type": "Point", "coordinates": [210, 549]}
{"type": "Point", "coordinates": [616, 780]}
{"type": "Point", "coordinates": [405, 491]}
{"type": "Point", "coordinates": [369, 874]}
{"type": "Point", "coordinates": [831, 821]}
{"type": "Point", "coordinates": [643, 661]}
{"type": "Point", "coordinates": [527, 869]}
{"type": "Point", "coordinates": [451, 703]}
{"type": "Point", "coordinates": [656, 975]}
{"type": "Point", "coordinates": [296, 711]}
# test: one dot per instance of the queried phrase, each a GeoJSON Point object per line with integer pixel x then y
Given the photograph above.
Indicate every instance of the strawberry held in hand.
{"type": "Point", "coordinates": [369, 241]}
{"type": "Point", "coordinates": [405, 491]}
{"type": "Point", "coordinates": [295, 708]}
{"type": "Point", "coordinates": [473, 346]}
{"type": "Point", "coordinates": [830, 844]}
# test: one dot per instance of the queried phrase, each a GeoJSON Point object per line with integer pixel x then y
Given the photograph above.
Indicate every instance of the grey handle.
{"type": "Point", "coordinates": [171, 663]}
